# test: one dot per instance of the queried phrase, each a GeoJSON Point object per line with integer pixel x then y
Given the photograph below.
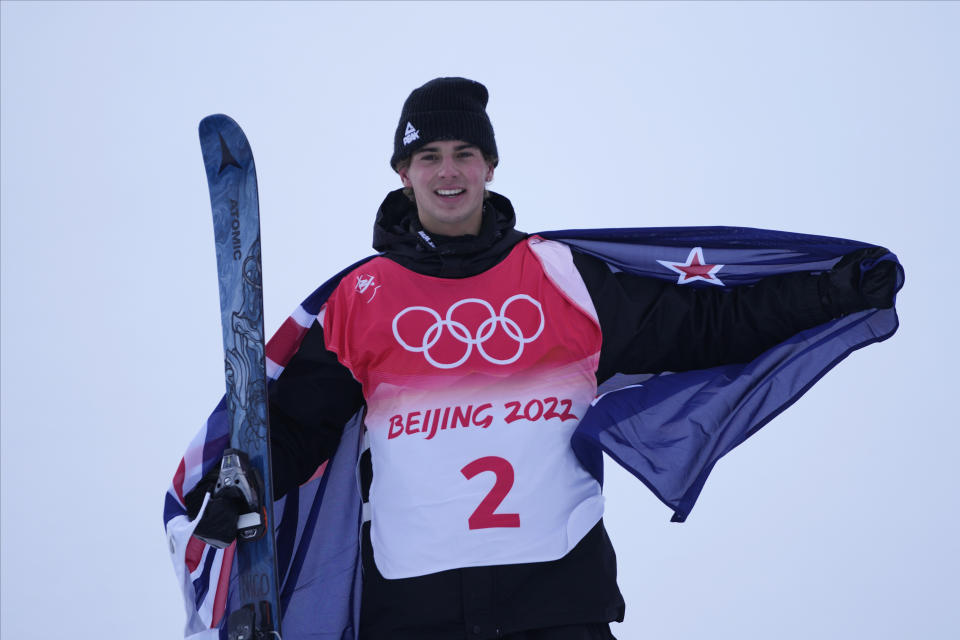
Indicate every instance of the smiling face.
{"type": "Point", "coordinates": [448, 178]}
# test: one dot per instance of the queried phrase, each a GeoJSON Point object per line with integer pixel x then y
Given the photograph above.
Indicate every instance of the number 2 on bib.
{"type": "Point", "coordinates": [483, 517]}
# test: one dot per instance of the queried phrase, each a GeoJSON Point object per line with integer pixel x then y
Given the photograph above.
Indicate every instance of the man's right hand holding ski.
{"type": "Point", "coordinates": [233, 505]}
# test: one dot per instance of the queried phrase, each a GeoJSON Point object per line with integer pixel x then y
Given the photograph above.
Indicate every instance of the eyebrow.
{"type": "Point", "coordinates": [434, 149]}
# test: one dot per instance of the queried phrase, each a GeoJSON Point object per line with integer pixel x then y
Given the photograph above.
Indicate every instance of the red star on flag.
{"type": "Point", "coordinates": [694, 268]}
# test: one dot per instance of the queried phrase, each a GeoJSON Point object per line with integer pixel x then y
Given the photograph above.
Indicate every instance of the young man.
{"type": "Point", "coordinates": [472, 351]}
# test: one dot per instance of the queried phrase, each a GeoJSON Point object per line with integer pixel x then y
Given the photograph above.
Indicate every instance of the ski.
{"type": "Point", "coordinates": [232, 180]}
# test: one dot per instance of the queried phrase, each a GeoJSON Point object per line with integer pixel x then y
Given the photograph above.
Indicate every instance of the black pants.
{"type": "Point", "coordinates": [572, 598]}
{"type": "Point", "coordinates": [573, 632]}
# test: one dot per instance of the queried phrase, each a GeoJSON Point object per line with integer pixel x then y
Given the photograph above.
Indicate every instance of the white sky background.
{"type": "Point", "coordinates": [839, 520]}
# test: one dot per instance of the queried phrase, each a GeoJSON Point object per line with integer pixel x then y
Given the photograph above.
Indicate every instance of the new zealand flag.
{"type": "Point", "coordinates": [668, 430]}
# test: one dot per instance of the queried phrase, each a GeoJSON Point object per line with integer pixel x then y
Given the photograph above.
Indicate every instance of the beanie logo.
{"type": "Point", "coordinates": [410, 134]}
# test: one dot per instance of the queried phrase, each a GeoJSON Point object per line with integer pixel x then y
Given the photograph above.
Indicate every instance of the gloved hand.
{"type": "Point", "coordinates": [859, 281]}
{"type": "Point", "coordinates": [218, 524]}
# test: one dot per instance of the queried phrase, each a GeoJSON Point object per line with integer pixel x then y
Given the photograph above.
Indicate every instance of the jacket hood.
{"type": "Point", "coordinates": [398, 234]}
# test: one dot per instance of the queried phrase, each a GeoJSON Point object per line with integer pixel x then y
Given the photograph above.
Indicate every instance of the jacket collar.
{"type": "Point", "coordinates": [398, 234]}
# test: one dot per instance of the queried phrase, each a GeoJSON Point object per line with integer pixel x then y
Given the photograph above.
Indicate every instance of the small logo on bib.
{"type": "Point", "coordinates": [366, 284]}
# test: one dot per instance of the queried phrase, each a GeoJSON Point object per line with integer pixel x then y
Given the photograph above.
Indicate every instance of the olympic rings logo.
{"type": "Point", "coordinates": [462, 334]}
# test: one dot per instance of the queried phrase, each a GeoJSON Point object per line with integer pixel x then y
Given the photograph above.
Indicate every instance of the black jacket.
{"type": "Point", "coordinates": [647, 326]}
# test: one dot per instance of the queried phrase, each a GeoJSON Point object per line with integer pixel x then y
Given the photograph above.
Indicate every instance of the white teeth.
{"type": "Point", "coordinates": [449, 192]}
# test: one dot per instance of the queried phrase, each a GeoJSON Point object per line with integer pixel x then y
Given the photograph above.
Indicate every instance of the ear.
{"type": "Point", "coordinates": [489, 177]}
{"type": "Point", "coordinates": [404, 178]}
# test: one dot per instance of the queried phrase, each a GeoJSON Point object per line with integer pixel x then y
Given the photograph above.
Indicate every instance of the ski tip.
{"type": "Point", "coordinates": [224, 144]}
{"type": "Point", "coordinates": [217, 122]}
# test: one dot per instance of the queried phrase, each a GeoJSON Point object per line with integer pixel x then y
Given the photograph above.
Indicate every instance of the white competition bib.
{"type": "Point", "coordinates": [474, 387]}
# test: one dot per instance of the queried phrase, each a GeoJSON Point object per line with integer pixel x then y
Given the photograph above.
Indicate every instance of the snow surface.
{"type": "Point", "coordinates": [839, 520]}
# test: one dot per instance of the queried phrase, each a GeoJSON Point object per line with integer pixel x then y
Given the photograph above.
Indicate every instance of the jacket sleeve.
{"type": "Point", "coordinates": [310, 404]}
{"type": "Point", "coordinates": [650, 326]}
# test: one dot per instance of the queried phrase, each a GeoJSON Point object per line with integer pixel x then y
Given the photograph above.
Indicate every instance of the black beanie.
{"type": "Point", "coordinates": [444, 109]}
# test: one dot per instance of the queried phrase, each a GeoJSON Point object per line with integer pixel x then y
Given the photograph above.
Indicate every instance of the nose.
{"type": "Point", "coordinates": [448, 167]}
